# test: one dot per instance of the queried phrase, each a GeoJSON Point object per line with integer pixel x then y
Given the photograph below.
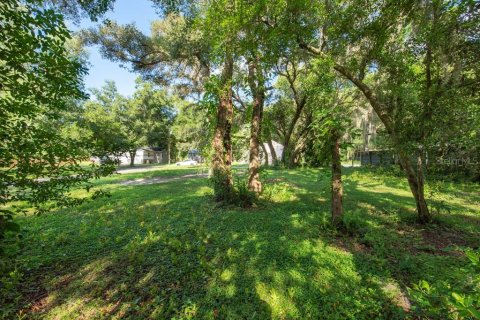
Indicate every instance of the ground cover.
{"type": "Point", "coordinates": [168, 251]}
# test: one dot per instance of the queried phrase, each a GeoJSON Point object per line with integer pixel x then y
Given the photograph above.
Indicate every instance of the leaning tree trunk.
{"type": "Point", "coordinates": [132, 157]}
{"type": "Point", "coordinates": [288, 149]}
{"type": "Point", "coordinates": [300, 103]}
{"type": "Point", "coordinates": [414, 177]}
{"type": "Point", "coordinates": [422, 207]}
{"type": "Point", "coordinates": [265, 153]}
{"type": "Point", "coordinates": [273, 153]}
{"type": "Point", "coordinates": [416, 184]}
{"type": "Point", "coordinates": [222, 145]}
{"type": "Point", "coordinates": [337, 186]}
{"type": "Point", "coordinates": [294, 158]}
{"type": "Point", "coordinates": [255, 78]}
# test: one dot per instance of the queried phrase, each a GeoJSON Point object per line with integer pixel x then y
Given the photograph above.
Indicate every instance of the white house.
{"type": "Point", "coordinates": [144, 155]}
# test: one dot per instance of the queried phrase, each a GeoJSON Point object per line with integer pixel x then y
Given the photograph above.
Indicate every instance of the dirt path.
{"type": "Point", "coordinates": [122, 170]}
{"type": "Point", "coordinates": [147, 181]}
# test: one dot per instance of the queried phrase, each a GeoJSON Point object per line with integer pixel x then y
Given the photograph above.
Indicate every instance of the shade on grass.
{"type": "Point", "coordinates": [168, 251]}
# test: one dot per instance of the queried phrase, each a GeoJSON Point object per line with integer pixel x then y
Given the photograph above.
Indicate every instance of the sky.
{"type": "Point", "coordinates": [139, 12]}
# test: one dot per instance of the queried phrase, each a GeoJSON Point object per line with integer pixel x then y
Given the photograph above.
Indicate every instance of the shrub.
{"type": "Point", "coordinates": [221, 190]}
{"type": "Point", "coordinates": [440, 299]}
{"type": "Point", "coordinates": [9, 297]}
{"type": "Point", "coordinates": [239, 195]}
{"type": "Point", "coordinates": [243, 197]}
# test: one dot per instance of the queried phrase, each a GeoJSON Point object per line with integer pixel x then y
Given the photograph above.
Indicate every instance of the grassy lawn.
{"type": "Point", "coordinates": [164, 171]}
{"type": "Point", "coordinates": [168, 251]}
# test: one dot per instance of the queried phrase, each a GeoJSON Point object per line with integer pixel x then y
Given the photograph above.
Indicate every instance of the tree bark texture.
{"type": "Point", "coordinates": [256, 83]}
{"type": "Point", "coordinates": [222, 142]}
{"type": "Point", "coordinates": [337, 186]}
{"type": "Point", "coordinates": [273, 153]}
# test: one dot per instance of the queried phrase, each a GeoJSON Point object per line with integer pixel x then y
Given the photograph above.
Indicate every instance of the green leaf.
{"type": "Point", "coordinates": [458, 297]}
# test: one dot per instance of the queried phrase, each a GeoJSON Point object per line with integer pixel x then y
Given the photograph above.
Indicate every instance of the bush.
{"type": "Point", "coordinates": [243, 197]}
{"type": "Point", "coordinates": [9, 297]}
{"type": "Point", "coordinates": [440, 299]}
{"type": "Point", "coordinates": [239, 195]}
{"type": "Point", "coordinates": [221, 190]}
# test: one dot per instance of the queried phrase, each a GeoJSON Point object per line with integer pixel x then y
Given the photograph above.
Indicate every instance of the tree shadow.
{"type": "Point", "coordinates": [394, 246]}
{"type": "Point", "coordinates": [166, 250]}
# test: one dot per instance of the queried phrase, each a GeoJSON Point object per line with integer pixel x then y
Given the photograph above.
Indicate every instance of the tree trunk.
{"type": "Point", "coordinates": [273, 153]}
{"type": "Point", "coordinates": [300, 102]}
{"type": "Point", "coordinates": [255, 78]}
{"type": "Point", "coordinates": [265, 153]}
{"type": "Point", "coordinates": [287, 150]}
{"type": "Point", "coordinates": [292, 159]}
{"type": "Point", "coordinates": [422, 207]}
{"type": "Point", "coordinates": [132, 157]}
{"type": "Point", "coordinates": [168, 149]}
{"type": "Point", "coordinates": [222, 144]}
{"type": "Point", "coordinates": [254, 183]}
{"type": "Point", "coordinates": [337, 186]}
{"type": "Point", "coordinates": [415, 181]}
{"type": "Point", "coordinates": [227, 139]}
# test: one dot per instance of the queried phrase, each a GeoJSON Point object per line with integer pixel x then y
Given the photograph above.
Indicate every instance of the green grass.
{"type": "Point", "coordinates": [168, 251]}
{"type": "Point", "coordinates": [164, 171]}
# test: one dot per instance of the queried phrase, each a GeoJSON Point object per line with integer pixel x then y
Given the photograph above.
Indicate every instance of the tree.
{"type": "Point", "coordinates": [256, 80]}
{"type": "Point", "coordinates": [390, 51]}
{"type": "Point", "coordinates": [193, 44]}
{"type": "Point", "coordinates": [331, 102]}
{"type": "Point", "coordinates": [196, 37]}
{"type": "Point", "coordinates": [222, 141]}
{"type": "Point", "coordinates": [220, 22]}
{"type": "Point", "coordinates": [292, 100]}
{"type": "Point", "coordinates": [148, 118]}
{"type": "Point", "coordinates": [258, 62]}
{"type": "Point", "coordinates": [118, 125]}
{"type": "Point", "coordinates": [103, 120]}
{"type": "Point", "coordinates": [417, 61]}
{"type": "Point", "coordinates": [176, 53]}
{"type": "Point", "coordinates": [39, 80]}
{"type": "Point", "coordinates": [191, 128]}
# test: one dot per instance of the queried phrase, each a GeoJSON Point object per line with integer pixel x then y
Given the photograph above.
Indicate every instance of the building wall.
{"type": "Point", "coordinates": [145, 157]}
{"type": "Point", "coordinates": [376, 158]}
